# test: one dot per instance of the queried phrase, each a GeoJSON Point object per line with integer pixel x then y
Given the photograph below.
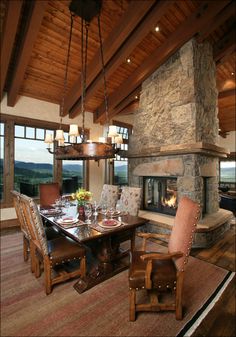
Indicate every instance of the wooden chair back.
{"type": "Point", "coordinates": [35, 223]}
{"type": "Point", "coordinates": [48, 193]}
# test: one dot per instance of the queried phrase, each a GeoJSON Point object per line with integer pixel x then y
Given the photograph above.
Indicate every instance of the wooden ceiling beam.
{"type": "Point", "coordinates": [131, 108]}
{"type": "Point", "coordinates": [11, 20]}
{"type": "Point", "coordinates": [128, 46]}
{"type": "Point", "coordinates": [218, 20]}
{"type": "Point", "coordinates": [227, 93]}
{"type": "Point", "coordinates": [122, 106]}
{"type": "Point", "coordinates": [116, 38]}
{"type": "Point", "coordinates": [33, 26]}
{"type": "Point", "coordinates": [225, 46]}
{"type": "Point", "coordinates": [192, 25]}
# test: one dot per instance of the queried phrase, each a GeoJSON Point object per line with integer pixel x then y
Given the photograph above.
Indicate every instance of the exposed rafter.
{"type": "Point", "coordinates": [126, 25]}
{"type": "Point", "coordinates": [219, 19]}
{"type": "Point", "coordinates": [127, 47]}
{"type": "Point", "coordinates": [32, 29]}
{"type": "Point", "coordinates": [225, 46]}
{"type": "Point", "coordinates": [13, 10]}
{"type": "Point", "coordinates": [188, 29]}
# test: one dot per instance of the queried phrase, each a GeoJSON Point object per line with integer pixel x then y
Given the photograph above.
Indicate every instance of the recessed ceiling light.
{"type": "Point", "coordinates": [136, 97]}
{"type": "Point", "coordinates": [232, 73]}
{"type": "Point", "coordinates": [157, 29]}
{"type": "Point", "coordinates": [128, 60]}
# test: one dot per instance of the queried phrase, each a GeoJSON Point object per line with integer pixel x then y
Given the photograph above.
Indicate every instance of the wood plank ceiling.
{"type": "Point", "coordinates": [35, 37]}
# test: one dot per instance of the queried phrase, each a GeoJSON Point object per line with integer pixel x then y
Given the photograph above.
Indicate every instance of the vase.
{"type": "Point", "coordinates": [81, 211]}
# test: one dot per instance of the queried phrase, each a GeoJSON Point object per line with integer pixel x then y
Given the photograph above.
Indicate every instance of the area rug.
{"type": "Point", "coordinates": [100, 311]}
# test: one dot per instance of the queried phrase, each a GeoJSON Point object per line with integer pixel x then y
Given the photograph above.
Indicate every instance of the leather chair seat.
{"type": "Point", "coordinates": [64, 250]}
{"type": "Point", "coordinates": [163, 275]}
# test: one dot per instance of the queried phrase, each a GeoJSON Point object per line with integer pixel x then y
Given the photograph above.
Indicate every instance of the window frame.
{"type": "Point", "coordinates": [125, 141]}
{"type": "Point", "coordinates": [9, 154]}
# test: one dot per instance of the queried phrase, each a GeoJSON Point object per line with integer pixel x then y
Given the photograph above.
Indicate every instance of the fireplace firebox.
{"type": "Point", "coordinates": [160, 194]}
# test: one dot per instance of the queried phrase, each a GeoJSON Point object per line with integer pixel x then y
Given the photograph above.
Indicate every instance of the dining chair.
{"type": "Point", "coordinates": [53, 255]}
{"type": "Point", "coordinates": [48, 193]}
{"type": "Point", "coordinates": [109, 195]}
{"type": "Point", "coordinates": [130, 200]}
{"type": "Point", "coordinates": [23, 224]}
{"type": "Point", "coordinates": [160, 273]}
{"type": "Point", "coordinates": [51, 232]}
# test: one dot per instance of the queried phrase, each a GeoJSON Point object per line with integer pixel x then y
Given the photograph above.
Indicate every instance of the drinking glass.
{"type": "Point", "coordinates": [88, 213]}
{"type": "Point", "coordinates": [95, 208]}
{"type": "Point", "coordinates": [111, 211]}
{"type": "Point", "coordinates": [104, 211]}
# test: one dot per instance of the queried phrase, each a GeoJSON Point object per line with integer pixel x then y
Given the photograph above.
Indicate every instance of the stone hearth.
{"type": "Point", "coordinates": [176, 132]}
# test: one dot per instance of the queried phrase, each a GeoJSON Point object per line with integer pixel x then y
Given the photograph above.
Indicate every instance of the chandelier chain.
{"type": "Point", "coordinates": [66, 72]}
{"type": "Point", "coordinates": [83, 72]}
{"type": "Point", "coordinates": [103, 70]}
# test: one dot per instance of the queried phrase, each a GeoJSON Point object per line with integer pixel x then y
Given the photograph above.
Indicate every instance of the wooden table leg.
{"type": "Point", "coordinates": [108, 266]}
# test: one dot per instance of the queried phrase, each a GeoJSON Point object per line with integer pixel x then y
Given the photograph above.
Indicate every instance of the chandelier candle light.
{"type": "Point", "coordinates": [106, 147]}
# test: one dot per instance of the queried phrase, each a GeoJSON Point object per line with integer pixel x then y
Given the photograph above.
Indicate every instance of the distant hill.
{"type": "Point", "coordinates": [33, 166]}
{"type": "Point", "coordinates": [228, 173]}
{"type": "Point", "coordinates": [73, 167]}
{"type": "Point", "coordinates": [122, 168]}
{"type": "Point", "coordinates": [45, 166]}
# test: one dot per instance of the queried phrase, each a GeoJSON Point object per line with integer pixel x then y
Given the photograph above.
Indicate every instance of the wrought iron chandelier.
{"type": "Point", "coordinates": [108, 146]}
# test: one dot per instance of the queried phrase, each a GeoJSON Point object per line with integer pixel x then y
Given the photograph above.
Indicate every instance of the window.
{"type": "Point", "coordinates": [33, 164]}
{"type": "Point", "coordinates": [120, 163]}
{"type": "Point", "coordinates": [228, 172]}
{"type": "Point", "coordinates": [72, 172]}
{"type": "Point", "coordinates": [1, 158]}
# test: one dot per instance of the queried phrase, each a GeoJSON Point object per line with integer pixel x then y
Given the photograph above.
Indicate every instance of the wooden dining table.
{"type": "Point", "coordinates": [102, 242]}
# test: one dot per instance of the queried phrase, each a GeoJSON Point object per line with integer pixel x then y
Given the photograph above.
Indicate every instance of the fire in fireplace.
{"type": "Point", "coordinates": [160, 194]}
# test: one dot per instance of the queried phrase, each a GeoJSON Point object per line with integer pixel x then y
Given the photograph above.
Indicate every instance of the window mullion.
{"type": "Point", "coordinates": [8, 162]}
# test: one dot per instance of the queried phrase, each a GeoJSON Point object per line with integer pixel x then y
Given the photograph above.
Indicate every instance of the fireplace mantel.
{"type": "Point", "coordinates": [179, 149]}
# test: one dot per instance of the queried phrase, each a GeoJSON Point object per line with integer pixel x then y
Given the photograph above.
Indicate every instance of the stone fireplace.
{"type": "Point", "coordinates": [160, 194]}
{"type": "Point", "coordinates": [175, 132]}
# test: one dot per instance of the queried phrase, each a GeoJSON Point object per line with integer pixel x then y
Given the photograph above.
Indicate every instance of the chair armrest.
{"type": "Point", "coordinates": [155, 256]}
{"type": "Point", "coordinates": [146, 236]}
{"type": "Point", "coordinates": [153, 235]}
{"type": "Point", "coordinates": [159, 256]}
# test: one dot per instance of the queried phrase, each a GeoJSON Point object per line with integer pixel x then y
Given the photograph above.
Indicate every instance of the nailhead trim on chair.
{"type": "Point", "coordinates": [191, 237]}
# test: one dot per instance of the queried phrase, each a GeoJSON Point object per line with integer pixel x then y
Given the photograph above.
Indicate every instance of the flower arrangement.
{"type": "Point", "coordinates": [82, 196]}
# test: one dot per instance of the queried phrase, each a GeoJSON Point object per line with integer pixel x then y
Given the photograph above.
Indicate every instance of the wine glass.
{"type": "Point", "coordinates": [104, 211]}
{"type": "Point", "coordinates": [95, 208]}
{"type": "Point", "coordinates": [88, 213]}
{"type": "Point", "coordinates": [111, 211]}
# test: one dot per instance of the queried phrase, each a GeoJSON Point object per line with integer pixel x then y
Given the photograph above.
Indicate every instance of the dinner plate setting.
{"type": "Point", "coordinates": [110, 223]}
{"type": "Point", "coordinates": [69, 221]}
{"type": "Point", "coordinates": [51, 211]}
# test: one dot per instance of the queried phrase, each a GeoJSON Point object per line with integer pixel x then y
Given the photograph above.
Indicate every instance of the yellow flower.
{"type": "Point", "coordinates": [81, 195]}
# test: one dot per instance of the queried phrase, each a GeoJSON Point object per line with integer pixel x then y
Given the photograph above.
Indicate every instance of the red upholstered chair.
{"type": "Point", "coordinates": [159, 273]}
{"type": "Point", "coordinates": [48, 193]}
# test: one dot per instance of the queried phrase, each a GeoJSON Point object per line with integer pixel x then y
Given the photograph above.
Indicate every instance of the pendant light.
{"type": "Point", "coordinates": [107, 146]}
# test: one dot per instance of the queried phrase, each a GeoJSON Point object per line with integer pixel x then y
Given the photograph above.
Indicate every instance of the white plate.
{"type": "Point", "coordinates": [67, 221]}
{"type": "Point", "coordinates": [50, 211]}
{"type": "Point", "coordinates": [106, 225]}
{"type": "Point", "coordinates": [116, 213]}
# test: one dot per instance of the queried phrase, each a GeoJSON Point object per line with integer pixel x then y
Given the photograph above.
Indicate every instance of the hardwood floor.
{"type": "Point", "coordinates": [221, 319]}
{"type": "Point", "coordinates": [220, 322]}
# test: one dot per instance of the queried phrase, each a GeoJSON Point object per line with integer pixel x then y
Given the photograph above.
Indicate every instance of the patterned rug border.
{"type": "Point", "coordinates": [192, 325]}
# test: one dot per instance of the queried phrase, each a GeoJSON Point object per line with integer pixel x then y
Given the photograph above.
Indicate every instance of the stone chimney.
{"type": "Point", "coordinates": [175, 131]}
